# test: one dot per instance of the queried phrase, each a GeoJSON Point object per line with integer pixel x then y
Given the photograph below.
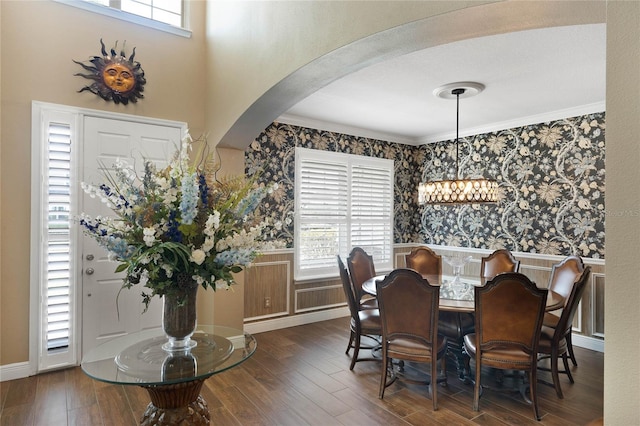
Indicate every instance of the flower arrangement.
{"type": "Point", "coordinates": [178, 225]}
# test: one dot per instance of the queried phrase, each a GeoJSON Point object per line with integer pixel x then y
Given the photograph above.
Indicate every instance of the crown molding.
{"type": "Point", "coordinates": [311, 123]}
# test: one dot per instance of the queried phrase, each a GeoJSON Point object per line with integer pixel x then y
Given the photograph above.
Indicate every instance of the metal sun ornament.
{"type": "Point", "coordinates": [115, 77]}
{"type": "Point", "coordinates": [458, 191]}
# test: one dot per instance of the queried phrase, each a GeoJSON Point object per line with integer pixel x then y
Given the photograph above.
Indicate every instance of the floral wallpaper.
{"type": "Point", "coordinates": [273, 155]}
{"type": "Point", "coordinates": [551, 178]}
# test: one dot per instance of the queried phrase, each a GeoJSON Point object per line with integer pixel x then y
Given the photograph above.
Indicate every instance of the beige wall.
{"type": "Point", "coordinates": [622, 311]}
{"type": "Point", "coordinates": [39, 41]}
{"type": "Point", "coordinates": [254, 45]}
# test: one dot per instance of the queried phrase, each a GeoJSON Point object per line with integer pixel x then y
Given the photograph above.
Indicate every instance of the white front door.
{"type": "Point", "coordinates": [106, 140]}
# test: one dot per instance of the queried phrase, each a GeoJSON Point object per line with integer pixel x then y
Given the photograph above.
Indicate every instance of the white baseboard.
{"type": "Point", "coordinates": [19, 370]}
{"type": "Point", "coordinates": [587, 342]}
{"type": "Point", "coordinates": [292, 321]}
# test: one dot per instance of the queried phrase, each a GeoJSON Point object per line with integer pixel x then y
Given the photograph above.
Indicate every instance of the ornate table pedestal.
{"type": "Point", "coordinates": [454, 325]}
{"type": "Point", "coordinates": [179, 404]}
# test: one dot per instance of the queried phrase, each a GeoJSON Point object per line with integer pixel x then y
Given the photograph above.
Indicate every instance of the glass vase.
{"type": "Point", "coordinates": [457, 263]}
{"type": "Point", "coordinates": [179, 318]}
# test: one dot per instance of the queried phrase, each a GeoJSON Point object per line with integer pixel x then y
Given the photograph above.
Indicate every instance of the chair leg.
{"type": "Point", "coordinates": [356, 351]}
{"type": "Point", "coordinates": [566, 367]}
{"type": "Point", "coordinates": [476, 387]}
{"type": "Point", "coordinates": [554, 372]}
{"type": "Point", "coordinates": [533, 381]}
{"type": "Point", "coordinates": [350, 345]}
{"type": "Point", "coordinates": [434, 381]}
{"type": "Point", "coordinates": [383, 374]}
{"type": "Point", "coordinates": [570, 349]}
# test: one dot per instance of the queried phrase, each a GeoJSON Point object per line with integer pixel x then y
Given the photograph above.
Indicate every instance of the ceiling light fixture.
{"type": "Point", "coordinates": [458, 191]}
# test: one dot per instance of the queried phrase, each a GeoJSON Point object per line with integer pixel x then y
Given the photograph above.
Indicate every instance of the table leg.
{"type": "Point", "coordinates": [177, 404]}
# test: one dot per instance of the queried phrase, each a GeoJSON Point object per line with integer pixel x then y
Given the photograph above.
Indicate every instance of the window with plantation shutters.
{"type": "Point", "coordinates": [342, 201]}
{"type": "Point", "coordinates": [53, 239]}
{"type": "Point", "coordinates": [58, 209]}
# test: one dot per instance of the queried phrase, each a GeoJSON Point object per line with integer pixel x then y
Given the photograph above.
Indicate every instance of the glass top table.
{"type": "Point", "coordinates": [172, 379]}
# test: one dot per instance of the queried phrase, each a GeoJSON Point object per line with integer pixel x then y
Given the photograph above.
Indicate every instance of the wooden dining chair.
{"type": "Point", "coordinates": [553, 341]}
{"type": "Point", "coordinates": [498, 262]}
{"type": "Point", "coordinates": [563, 277]}
{"type": "Point", "coordinates": [409, 314]}
{"type": "Point", "coordinates": [509, 311]}
{"type": "Point", "coordinates": [425, 261]}
{"type": "Point", "coordinates": [364, 322]}
{"type": "Point", "coordinates": [452, 325]}
{"type": "Point", "coordinates": [361, 268]}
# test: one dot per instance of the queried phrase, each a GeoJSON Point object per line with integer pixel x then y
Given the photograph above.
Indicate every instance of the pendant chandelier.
{"type": "Point", "coordinates": [458, 191]}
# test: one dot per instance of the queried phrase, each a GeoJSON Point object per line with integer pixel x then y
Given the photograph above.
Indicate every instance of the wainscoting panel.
{"type": "Point", "coordinates": [314, 298]}
{"type": "Point", "coordinates": [271, 277]}
{"type": "Point", "coordinates": [267, 287]}
{"type": "Point", "coordinates": [597, 305]}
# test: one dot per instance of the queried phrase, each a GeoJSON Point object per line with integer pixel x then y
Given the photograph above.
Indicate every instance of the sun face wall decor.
{"type": "Point", "coordinates": [115, 77]}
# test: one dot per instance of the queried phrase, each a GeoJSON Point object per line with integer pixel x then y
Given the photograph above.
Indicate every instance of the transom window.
{"type": "Point", "coordinates": [342, 201]}
{"type": "Point", "coordinates": [163, 15]}
{"type": "Point", "coordinates": [167, 11]}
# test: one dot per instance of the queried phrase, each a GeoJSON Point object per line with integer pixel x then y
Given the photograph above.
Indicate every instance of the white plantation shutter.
{"type": "Point", "coordinates": [58, 208]}
{"type": "Point", "coordinates": [371, 211]}
{"type": "Point", "coordinates": [54, 234]}
{"type": "Point", "coordinates": [342, 201]}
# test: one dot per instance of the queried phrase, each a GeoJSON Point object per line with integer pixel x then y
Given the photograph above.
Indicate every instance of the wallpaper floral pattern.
{"type": "Point", "coordinates": [272, 154]}
{"type": "Point", "coordinates": [551, 178]}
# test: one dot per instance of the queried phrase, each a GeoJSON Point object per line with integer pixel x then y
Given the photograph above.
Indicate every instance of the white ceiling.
{"type": "Point", "coordinates": [530, 77]}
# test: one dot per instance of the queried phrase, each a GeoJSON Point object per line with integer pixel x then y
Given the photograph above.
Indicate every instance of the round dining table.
{"type": "Point", "coordinates": [457, 295]}
{"type": "Point", "coordinates": [457, 308]}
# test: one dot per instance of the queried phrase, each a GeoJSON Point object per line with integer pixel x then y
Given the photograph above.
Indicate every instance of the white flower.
{"type": "Point", "coordinates": [197, 257]}
{"type": "Point", "coordinates": [149, 236]}
{"type": "Point", "coordinates": [221, 285]}
{"type": "Point", "coordinates": [171, 196]}
{"type": "Point", "coordinates": [213, 223]}
{"type": "Point", "coordinates": [207, 245]}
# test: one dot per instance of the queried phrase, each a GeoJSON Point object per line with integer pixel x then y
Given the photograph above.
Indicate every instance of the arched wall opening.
{"type": "Point", "coordinates": [471, 22]}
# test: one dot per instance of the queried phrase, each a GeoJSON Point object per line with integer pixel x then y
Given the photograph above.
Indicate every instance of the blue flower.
{"type": "Point", "coordinates": [189, 201]}
{"type": "Point", "coordinates": [204, 190]}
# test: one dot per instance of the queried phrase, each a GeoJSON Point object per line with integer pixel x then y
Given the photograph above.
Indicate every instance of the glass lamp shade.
{"type": "Point", "coordinates": [458, 191]}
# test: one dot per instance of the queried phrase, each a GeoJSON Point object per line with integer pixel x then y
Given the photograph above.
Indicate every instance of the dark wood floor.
{"type": "Point", "coordinates": [301, 376]}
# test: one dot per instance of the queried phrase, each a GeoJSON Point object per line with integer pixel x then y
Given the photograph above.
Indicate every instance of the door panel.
{"type": "Point", "coordinates": [106, 140]}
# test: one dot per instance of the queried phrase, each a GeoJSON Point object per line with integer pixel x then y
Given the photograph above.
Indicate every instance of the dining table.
{"type": "Point", "coordinates": [457, 308]}
{"type": "Point", "coordinates": [456, 295]}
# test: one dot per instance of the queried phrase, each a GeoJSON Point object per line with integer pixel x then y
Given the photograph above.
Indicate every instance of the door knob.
{"type": "Point", "coordinates": [89, 271]}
